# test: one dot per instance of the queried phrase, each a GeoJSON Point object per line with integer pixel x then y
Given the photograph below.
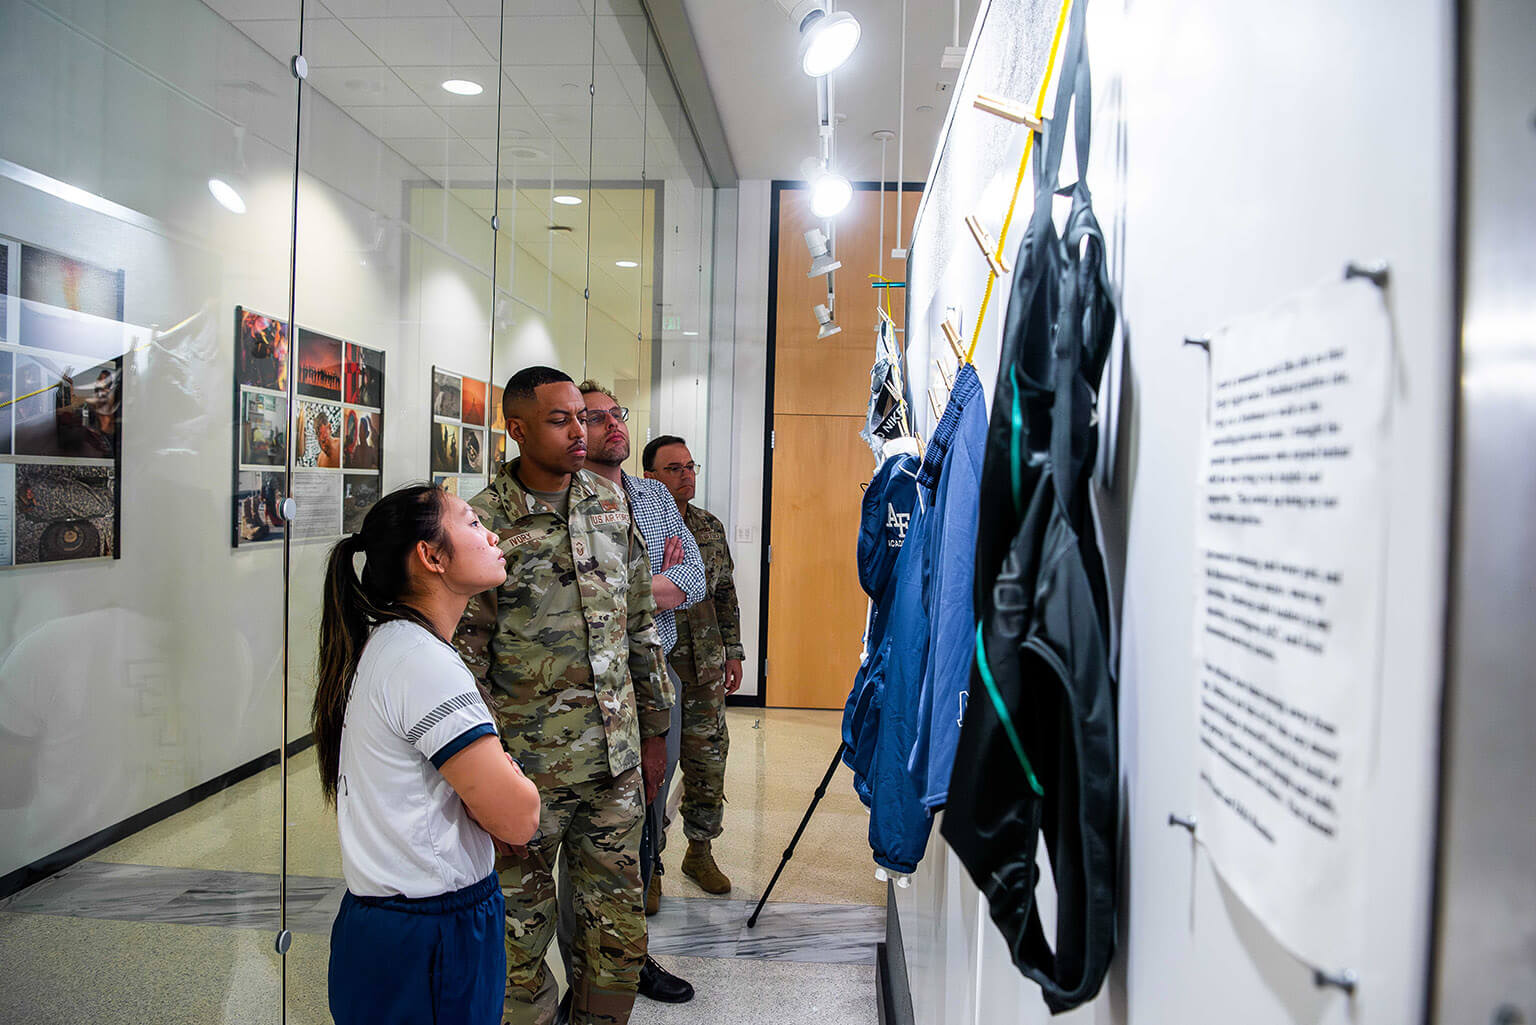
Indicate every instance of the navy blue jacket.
{"type": "Point", "coordinates": [898, 822]}
{"type": "Point", "coordinates": [883, 524]}
{"type": "Point", "coordinates": [959, 442]}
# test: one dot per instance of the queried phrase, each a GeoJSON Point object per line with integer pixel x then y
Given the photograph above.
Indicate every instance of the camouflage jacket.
{"type": "Point", "coordinates": [566, 650]}
{"type": "Point", "coordinates": [710, 632]}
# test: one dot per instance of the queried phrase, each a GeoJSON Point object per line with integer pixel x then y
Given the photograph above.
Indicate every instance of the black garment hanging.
{"type": "Point", "coordinates": [1039, 741]}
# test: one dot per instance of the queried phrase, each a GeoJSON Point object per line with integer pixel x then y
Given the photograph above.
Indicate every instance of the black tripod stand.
{"type": "Point", "coordinates": [789, 851]}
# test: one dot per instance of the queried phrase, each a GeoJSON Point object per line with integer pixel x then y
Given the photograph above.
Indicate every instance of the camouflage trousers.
{"type": "Point", "coordinates": [598, 826]}
{"type": "Point", "coordinates": [705, 744]}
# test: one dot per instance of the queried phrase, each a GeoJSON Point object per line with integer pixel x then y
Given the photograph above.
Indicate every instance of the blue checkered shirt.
{"type": "Point", "coordinates": [656, 515]}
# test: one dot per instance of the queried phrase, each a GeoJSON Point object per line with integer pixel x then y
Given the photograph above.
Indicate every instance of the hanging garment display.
{"type": "Point", "coordinates": [883, 525]}
{"type": "Point", "coordinates": [898, 822]}
{"type": "Point", "coordinates": [886, 418]}
{"type": "Point", "coordinates": [956, 446]}
{"type": "Point", "coordinates": [1039, 743]}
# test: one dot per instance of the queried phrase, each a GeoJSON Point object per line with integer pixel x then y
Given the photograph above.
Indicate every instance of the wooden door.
{"type": "Point", "coordinates": [816, 609]}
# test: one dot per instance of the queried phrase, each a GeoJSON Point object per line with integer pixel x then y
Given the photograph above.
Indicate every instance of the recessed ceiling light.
{"type": "Point", "coordinates": [461, 87]}
{"type": "Point", "coordinates": [225, 193]}
{"type": "Point", "coordinates": [625, 263]}
{"type": "Point", "coordinates": [690, 334]}
{"type": "Point", "coordinates": [568, 200]}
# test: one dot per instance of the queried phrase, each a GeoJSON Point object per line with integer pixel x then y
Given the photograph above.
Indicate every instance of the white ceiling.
{"type": "Point", "coordinates": [768, 105]}
{"type": "Point", "coordinates": [384, 61]}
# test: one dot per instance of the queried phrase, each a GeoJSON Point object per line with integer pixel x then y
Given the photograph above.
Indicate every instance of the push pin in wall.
{"type": "Point", "coordinates": [1008, 110]}
{"type": "Point", "coordinates": [1345, 980]}
{"type": "Point", "coordinates": [1182, 823]}
{"type": "Point", "coordinates": [988, 246]}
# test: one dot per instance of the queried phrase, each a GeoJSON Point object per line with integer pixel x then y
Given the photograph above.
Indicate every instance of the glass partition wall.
{"type": "Point", "coordinates": [239, 300]}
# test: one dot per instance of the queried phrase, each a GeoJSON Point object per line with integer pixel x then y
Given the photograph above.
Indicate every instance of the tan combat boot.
{"type": "Point", "coordinates": [699, 865]}
{"type": "Point", "coordinates": [653, 895]}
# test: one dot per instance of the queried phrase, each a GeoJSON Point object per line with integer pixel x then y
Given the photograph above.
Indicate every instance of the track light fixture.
{"type": "Point", "coordinates": [830, 194]}
{"type": "Point", "coordinates": [824, 318]}
{"type": "Point", "coordinates": [827, 41]}
{"type": "Point", "coordinates": [821, 254]}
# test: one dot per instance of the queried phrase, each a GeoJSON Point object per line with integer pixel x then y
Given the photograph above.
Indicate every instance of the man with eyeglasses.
{"type": "Point", "coordinates": [678, 582]}
{"type": "Point", "coordinates": [707, 661]}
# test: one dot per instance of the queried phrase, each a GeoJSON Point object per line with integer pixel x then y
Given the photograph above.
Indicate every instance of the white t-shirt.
{"type": "Point", "coordinates": [404, 830]}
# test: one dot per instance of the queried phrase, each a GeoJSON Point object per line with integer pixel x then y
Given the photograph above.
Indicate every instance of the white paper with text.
{"type": "Point", "coordinates": [1290, 543]}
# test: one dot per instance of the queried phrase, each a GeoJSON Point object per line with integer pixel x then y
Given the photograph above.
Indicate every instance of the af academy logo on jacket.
{"type": "Point", "coordinates": [896, 526]}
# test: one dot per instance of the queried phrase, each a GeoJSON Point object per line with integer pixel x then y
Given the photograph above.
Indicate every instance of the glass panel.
{"type": "Point", "coordinates": [544, 192]}
{"type": "Point", "coordinates": [145, 187]}
{"type": "Point", "coordinates": [392, 355]}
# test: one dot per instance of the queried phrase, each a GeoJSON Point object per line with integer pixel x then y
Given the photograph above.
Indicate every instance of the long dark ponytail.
{"type": "Point", "coordinates": [353, 605]}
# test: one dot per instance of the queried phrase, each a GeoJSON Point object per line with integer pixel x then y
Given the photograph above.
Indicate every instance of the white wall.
{"type": "Point", "coordinates": [1240, 155]}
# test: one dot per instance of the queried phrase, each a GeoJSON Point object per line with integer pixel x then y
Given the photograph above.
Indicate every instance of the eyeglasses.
{"type": "Point", "coordinates": [618, 414]}
{"type": "Point", "coordinates": [677, 468]}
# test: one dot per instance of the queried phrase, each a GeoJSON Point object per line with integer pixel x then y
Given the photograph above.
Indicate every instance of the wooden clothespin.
{"type": "Point", "coordinates": [952, 335]}
{"type": "Point", "coordinates": [988, 246]}
{"type": "Point", "coordinates": [948, 378]}
{"type": "Point", "coordinates": [1008, 110]}
{"type": "Point", "coordinates": [933, 405]}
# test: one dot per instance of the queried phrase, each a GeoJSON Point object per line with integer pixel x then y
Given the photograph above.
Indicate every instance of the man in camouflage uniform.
{"type": "Point", "coordinates": [567, 653]}
{"type": "Point", "coordinates": [707, 659]}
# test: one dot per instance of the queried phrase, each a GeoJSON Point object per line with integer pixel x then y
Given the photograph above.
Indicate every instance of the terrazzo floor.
{"type": "Point", "coordinates": [176, 922]}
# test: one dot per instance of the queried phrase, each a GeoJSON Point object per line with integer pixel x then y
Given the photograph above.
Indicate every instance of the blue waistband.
{"type": "Point", "coordinates": [443, 903]}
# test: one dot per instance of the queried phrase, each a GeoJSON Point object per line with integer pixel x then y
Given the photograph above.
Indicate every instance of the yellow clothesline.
{"type": "Point", "coordinates": [1029, 145]}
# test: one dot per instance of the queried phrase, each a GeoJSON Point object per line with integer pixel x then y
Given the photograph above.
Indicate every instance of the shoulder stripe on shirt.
{"type": "Point", "coordinates": [440, 713]}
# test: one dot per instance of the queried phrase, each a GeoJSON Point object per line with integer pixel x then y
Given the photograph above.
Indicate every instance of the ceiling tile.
{"type": "Point", "coordinates": [402, 42]}
{"type": "Point", "coordinates": [251, 10]}
{"type": "Point", "coordinates": [450, 175]}
{"type": "Point", "coordinates": [439, 152]}
{"type": "Point", "coordinates": [517, 122]}
{"type": "Point", "coordinates": [416, 122]}
{"type": "Point", "coordinates": [362, 87]}
{"type": "Point", "coordinates": [627, 41]}
{"type": "Point", "coordinates": [520, 8]}
{"type": "Point", "coordinates": [391, 8]}
{"type": "Point", "coordinates": [327, 42]}
{"type": "Point", "coordinates": [565, 83]}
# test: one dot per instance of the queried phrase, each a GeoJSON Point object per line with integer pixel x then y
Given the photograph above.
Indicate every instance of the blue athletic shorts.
{"type": "Point", "coordinates": [404, 961]}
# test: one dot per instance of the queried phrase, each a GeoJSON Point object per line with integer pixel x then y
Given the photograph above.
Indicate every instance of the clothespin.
{"type": "Point", "coordinates": [952, 335]}
{"type": "Point", "coordinates": [948, 378]}
{"type": "Point", "coordinates": [988, 246]}
{"type": "Point", "coordinates": [934, 405]}
{"type": "Point", "coordinates": [1008, 110]}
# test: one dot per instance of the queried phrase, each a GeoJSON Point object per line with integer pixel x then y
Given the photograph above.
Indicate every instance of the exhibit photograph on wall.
{"type": "Point", "coordinates": [461, 411]}
{"type": "Point", "coordinates": [319, 366]}
{"type": "Point", "coordinates": [358, 493]}
{"type": "Point", "coordinates": [336, 428]}
{"type": "Point", "coordinates": [261, 351]}
{"type": "Point", "coordinates": [364, 376]}
{"type": "Point", "coordinates": [70, 305]}
{"type": "Point", "coordinates": [62, 343]}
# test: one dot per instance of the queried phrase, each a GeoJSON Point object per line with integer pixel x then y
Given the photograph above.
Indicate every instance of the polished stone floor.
{"type": "Point", "coordinates": [176, 922]}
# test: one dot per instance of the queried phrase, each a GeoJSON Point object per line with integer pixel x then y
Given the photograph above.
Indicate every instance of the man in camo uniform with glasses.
{"type": "Point", "coordinates": [707, 660]}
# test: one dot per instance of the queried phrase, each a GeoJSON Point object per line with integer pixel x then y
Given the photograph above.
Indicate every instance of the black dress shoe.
{"type": "Point", "coordinates": [656, 983]}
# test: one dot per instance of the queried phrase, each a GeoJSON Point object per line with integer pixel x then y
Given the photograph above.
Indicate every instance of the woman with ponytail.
{"type": "Point", "coordinates": [410, 758]}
